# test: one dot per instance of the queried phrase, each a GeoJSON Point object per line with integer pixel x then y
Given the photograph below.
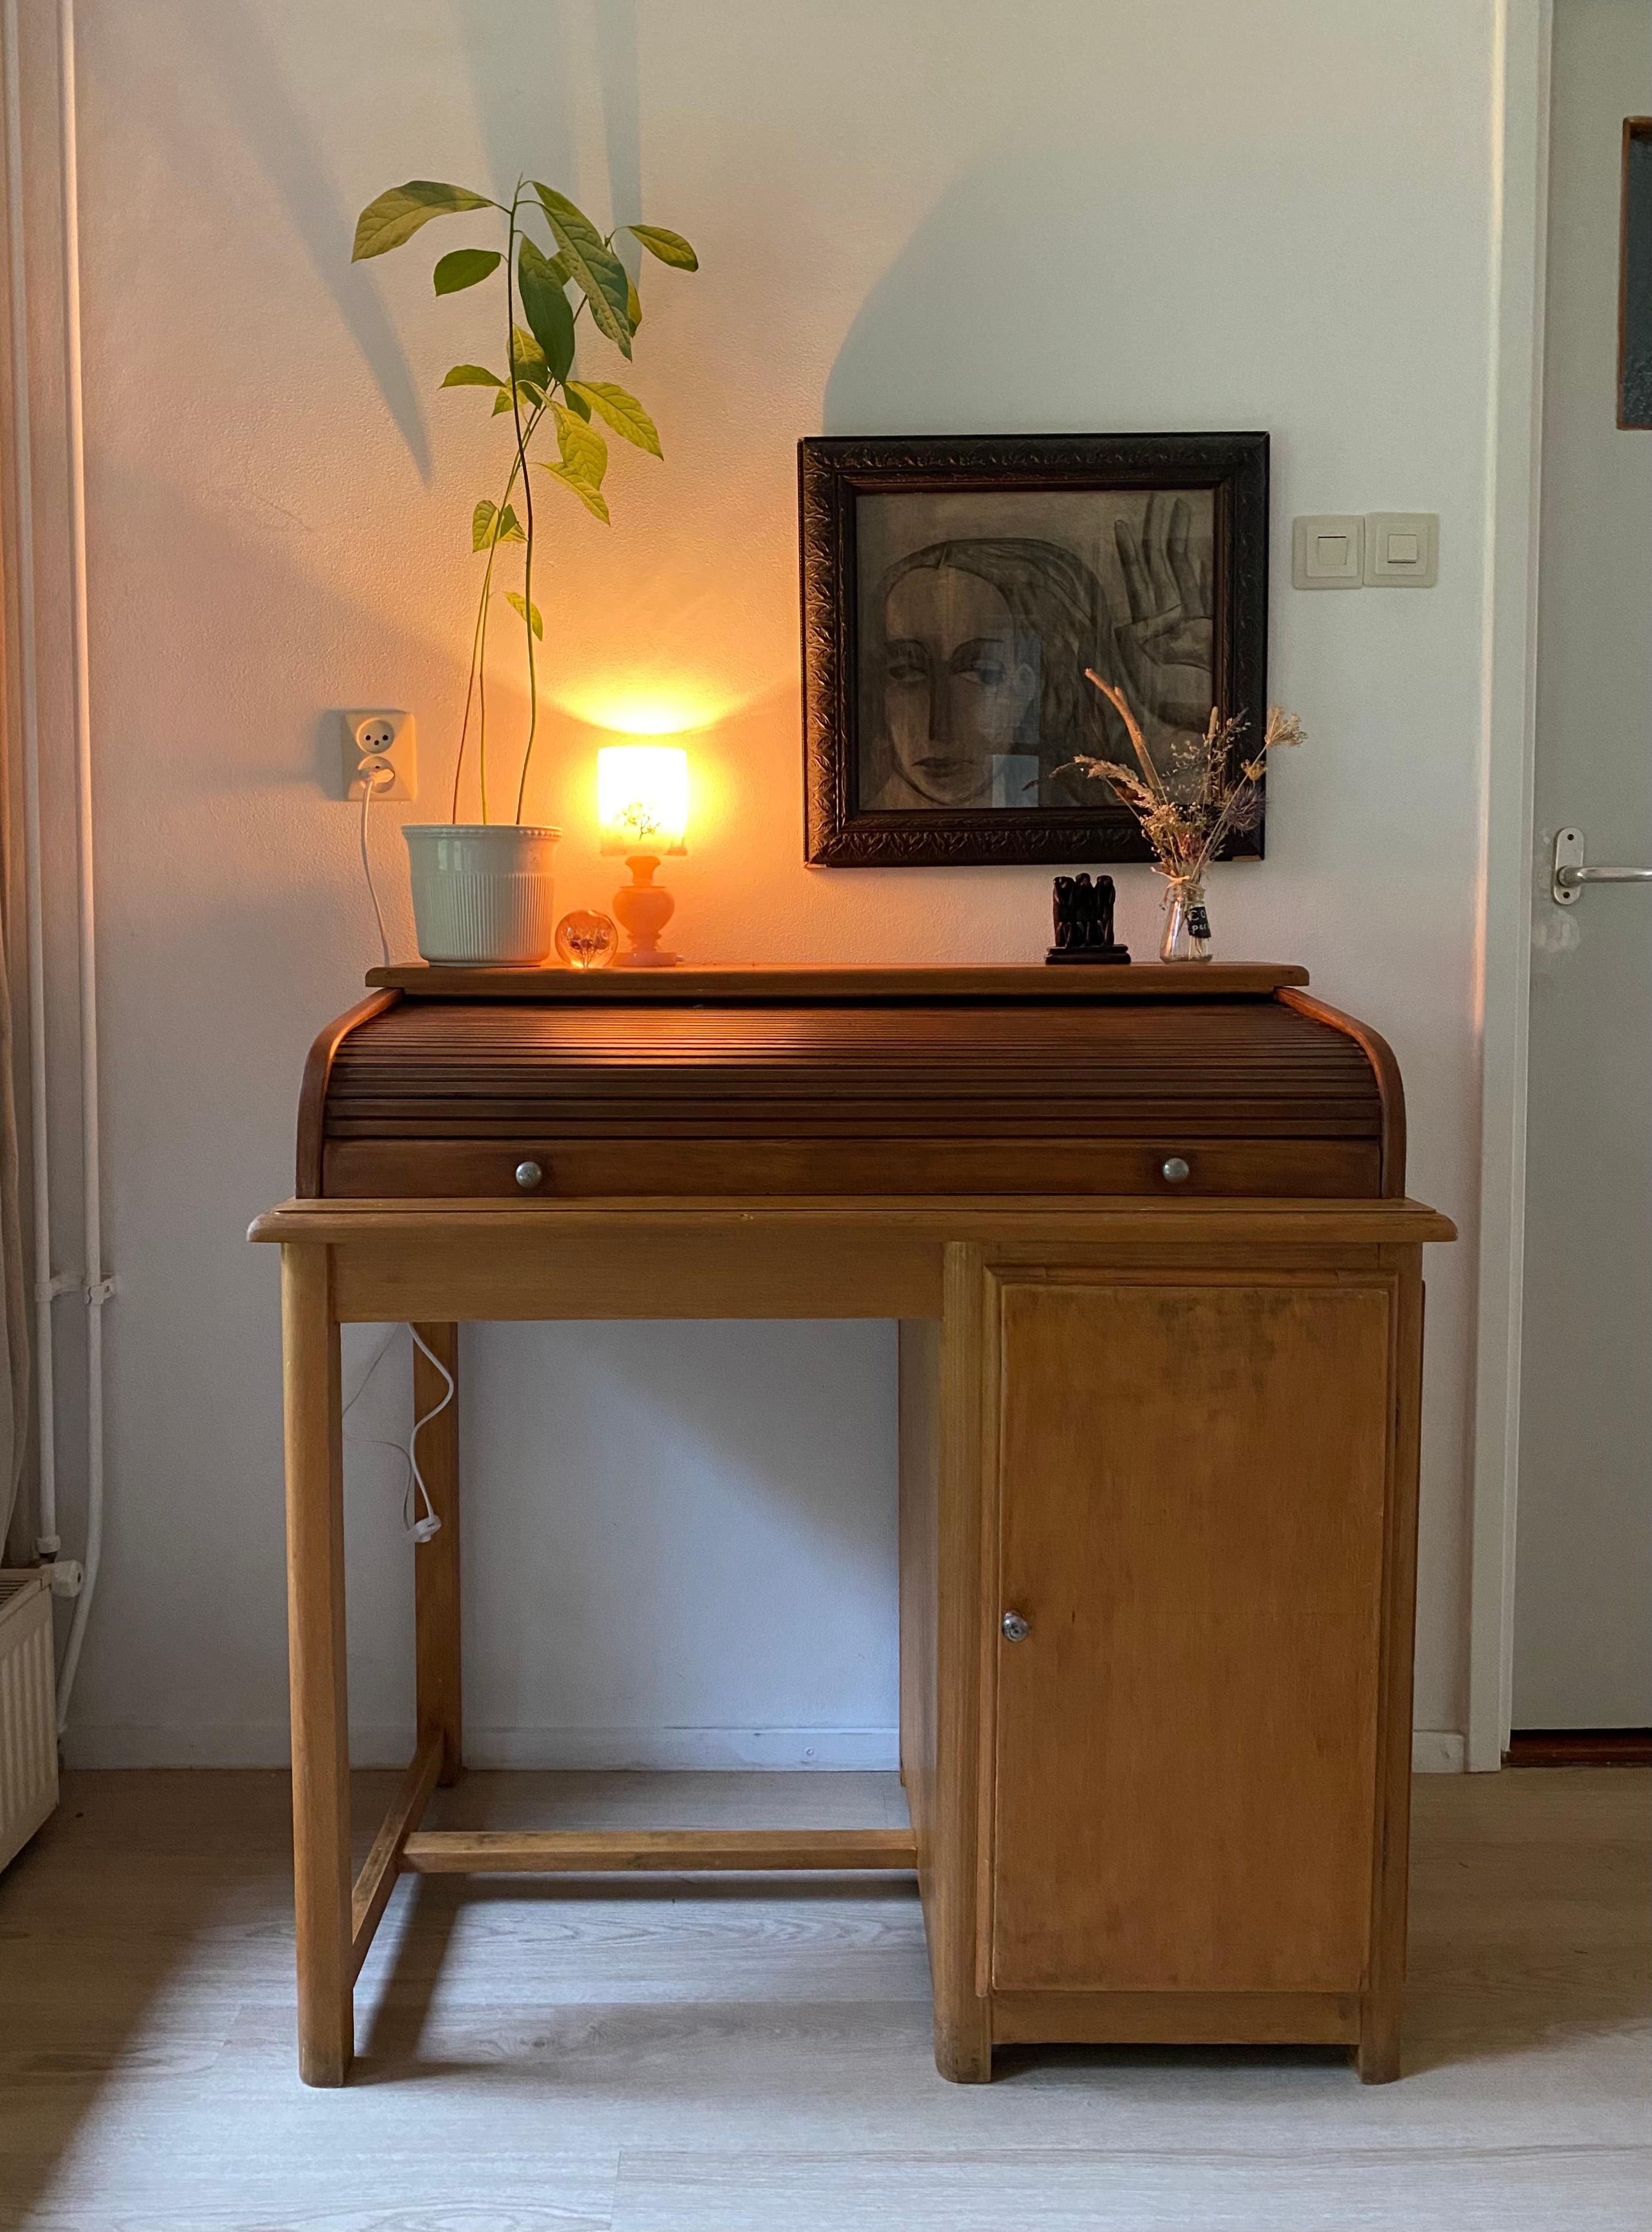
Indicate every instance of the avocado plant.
{"type": "Point", "coordinates": [540, 328]}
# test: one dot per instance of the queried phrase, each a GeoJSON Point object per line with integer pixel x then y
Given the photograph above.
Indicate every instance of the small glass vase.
{"type": "Point", "coordinates": [1187, 926]}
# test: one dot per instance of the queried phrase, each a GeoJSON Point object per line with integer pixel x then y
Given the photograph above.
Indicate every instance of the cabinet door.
{"type": "Point", "coordinates": [1192, 1510]}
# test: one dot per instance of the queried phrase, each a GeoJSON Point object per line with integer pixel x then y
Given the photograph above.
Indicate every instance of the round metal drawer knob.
{"type": "Point", "coordinates": [1016, 1630]}
{"type": "Point", "coordinates": [1177, 1169]}
{"type": "Point", "coordinates": [529, 1175]}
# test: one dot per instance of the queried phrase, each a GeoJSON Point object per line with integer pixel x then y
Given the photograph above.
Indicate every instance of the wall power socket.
{"type": "Point", "coordinates": [389, 736]}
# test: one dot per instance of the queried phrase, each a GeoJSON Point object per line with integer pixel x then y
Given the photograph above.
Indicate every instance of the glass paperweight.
{"type": "Point", "coordinates": [586, 940]}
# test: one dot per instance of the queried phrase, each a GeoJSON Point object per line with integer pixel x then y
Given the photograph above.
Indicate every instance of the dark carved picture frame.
{"type": "Point", "coordinates": [835, 471]}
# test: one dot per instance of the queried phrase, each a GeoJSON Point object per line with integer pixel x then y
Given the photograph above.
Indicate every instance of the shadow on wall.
{"type": "Point", "coordinates": [520, 77]}
{"type": "Point", "coordinates": [268, 119]}
{"type": "Point", "coordinates": [1012, 309]}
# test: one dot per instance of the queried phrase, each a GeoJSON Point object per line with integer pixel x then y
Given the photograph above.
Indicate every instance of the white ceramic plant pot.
{"type": "Point", "coordinates": [484, 891]}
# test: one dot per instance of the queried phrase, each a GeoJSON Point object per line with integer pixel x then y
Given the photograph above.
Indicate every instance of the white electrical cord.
{"type": "Point", "coordinates": [430, 1524]}
{"type": "Point", "coordinates": [420, 1529]}
{"type": "Point", "coordinates": [376, 774]}
{"type": "Point", "coordinates": [378, 1356]}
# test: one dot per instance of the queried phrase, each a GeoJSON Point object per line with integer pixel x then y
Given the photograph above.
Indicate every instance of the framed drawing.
{"type": "Point", "coordinates": [955, 588]}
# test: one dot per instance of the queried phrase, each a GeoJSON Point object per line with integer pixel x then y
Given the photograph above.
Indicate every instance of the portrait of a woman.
{"type": "Point", "coordinates": [973, 656]}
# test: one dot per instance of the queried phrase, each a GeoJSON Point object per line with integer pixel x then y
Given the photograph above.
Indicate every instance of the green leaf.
{"type": "Point", "coordinates": [398, 215]}
{"type": "Point", "coordinates": [592, 263]}
{"type": "Point", "coordinates": [576, 402]}
{"type": "Point", "coordinates": [523, 610]}
{"type": "Point", "coordinates": [545, 307]}
{"type": "Point", "coordinates": [591, 498]}
{"type": "Point", "coordinates": [465, 267]}
{"type": "Point", "coordinates": [633, 303]}
{"type": "Point", "coordinates": [489, 525]}
{"type": "Point", "coordinates": [669, 247]}
{"type": "Point", "coordinates": [584, 450]}
{"type": "Point", "coordinates": [527, 359]}
{"type": "Point", "coordinates": [623, 412]}
{"type": "Point", "coordinates": [471, 375]}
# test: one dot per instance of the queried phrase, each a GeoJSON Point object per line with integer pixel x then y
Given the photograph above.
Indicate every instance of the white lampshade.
{"type": "Point", "coordinates": [643, 798]}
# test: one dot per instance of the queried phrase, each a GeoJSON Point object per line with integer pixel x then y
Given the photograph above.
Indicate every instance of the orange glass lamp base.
{"type": "Point", "coordinates": [643, 908]}
{"type": "Point", "coordinates": [642, 812]}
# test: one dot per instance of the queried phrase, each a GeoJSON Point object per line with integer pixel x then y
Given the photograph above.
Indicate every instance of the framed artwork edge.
{"type": "Point", "coordinates": [834, 470]}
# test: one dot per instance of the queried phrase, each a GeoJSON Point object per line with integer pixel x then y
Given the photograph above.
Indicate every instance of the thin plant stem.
{"type": "Point", "coordinates": [476, 682]}
{"type": "Point", "coordinates": [1223, 819]}
{"type": "Point", "coordinates": [523, 441]}
{"type": "Point", "coordinates": [528, 493]}
{"type": "Point", "coordinates": [469, 693]}
{"type": "Point", "coordinates": [1116, 699]}
{"type": "Point", "coordinates": [481, 693]}
{"type": "Point", "coordinates": [479, 635]}
{"type": "Point", "coordinates": [528, 554]}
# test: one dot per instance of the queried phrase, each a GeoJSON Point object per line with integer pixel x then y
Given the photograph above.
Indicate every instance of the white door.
{"type": "Point", "coordinates": [1583, 1604]}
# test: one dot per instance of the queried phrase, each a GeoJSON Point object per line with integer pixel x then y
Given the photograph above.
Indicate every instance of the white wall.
{"type": "Point", "coordinates": [911, 216]}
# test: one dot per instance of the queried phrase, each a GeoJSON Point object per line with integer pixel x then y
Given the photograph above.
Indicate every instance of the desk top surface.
{"type": "Point", "coordinates": [1213, 980]}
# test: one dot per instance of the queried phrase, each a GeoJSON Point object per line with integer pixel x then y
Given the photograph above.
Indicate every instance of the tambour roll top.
{"type": "Point", "coordinates": [454, 1083]}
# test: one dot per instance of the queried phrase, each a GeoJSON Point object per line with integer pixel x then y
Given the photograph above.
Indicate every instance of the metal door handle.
{"type": "Point", "coordinates": [1569, 873]}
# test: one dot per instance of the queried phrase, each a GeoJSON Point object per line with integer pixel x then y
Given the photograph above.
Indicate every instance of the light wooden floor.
{"type": "Point", "coordinates": [544, 2056]}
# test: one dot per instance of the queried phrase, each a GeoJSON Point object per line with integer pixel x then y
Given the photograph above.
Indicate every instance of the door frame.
{"type": "Point", "coordinates": [1520, 95]}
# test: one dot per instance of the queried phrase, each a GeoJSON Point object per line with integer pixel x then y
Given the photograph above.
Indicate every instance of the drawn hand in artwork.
{"type": "Point", "coordinates": [1167, 647]}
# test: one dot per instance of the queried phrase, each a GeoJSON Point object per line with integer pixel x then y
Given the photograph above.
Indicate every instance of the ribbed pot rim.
{"type": "Point", "coordinates": [478, 830]}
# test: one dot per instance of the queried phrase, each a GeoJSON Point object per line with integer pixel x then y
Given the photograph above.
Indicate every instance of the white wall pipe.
{"type": "Point", "coordinates": [99, 1288]}
{"type": "Point", "coordinates": [46, 1285]}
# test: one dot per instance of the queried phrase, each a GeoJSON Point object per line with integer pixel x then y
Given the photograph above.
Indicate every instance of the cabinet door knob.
{"type": "Point", "coordinates": [529, 1175]}
{"type": "Point", "coordinates": [1016, 1630]}
{"type": "Point", "coordinates": [1176, 1169]}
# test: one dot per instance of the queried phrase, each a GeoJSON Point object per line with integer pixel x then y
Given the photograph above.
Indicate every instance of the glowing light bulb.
{"type": "Point", "coordinates": [643, 798]}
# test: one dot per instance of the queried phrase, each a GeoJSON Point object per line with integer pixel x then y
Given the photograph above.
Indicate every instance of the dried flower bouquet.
{"type": "Point", "coordinates": [1188, 806]}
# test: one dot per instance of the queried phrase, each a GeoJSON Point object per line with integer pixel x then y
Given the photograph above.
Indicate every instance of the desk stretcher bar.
{"type": "Point", "coordinates": [402, 1847]}
{"type": "Point", "coordinates": [651, 1851]}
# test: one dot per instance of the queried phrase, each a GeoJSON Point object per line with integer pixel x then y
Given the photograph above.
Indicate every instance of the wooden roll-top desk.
{"type": "Point", "coordinates": [1158, 1282]}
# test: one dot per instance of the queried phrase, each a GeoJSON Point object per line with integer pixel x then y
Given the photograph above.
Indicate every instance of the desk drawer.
{"type": "Point", "coordinates": [581, 1169]}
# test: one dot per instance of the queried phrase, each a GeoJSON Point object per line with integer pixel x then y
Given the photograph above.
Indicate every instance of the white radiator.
{"type": "Point", "coordinates": [28, 1710]}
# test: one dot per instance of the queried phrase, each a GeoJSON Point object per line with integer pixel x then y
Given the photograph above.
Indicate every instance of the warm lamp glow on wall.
{"type": "Point", "coordinates": [643, 807]}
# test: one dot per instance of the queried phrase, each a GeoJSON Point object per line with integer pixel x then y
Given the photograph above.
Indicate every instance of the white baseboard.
{"type": "Point", "coordinates": [1436, 1751]}
{"type": "Point", "coordinates": [264, 1743]}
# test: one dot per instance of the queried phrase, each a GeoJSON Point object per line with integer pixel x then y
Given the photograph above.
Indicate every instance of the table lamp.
{"type": "Point", "coordinates": [643, 808]}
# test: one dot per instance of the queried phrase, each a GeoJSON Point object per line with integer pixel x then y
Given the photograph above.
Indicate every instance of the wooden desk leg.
{"type": "Point", "coordinates": [436, 1563]}
{"type": "Point", "coordinates": [316, 1666]}
{"type": "Point", "coordinates": [944, 1437]}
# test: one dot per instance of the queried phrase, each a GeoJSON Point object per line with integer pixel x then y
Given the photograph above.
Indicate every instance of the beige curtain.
{"type": "Point", "coordinates": [14, 1303]}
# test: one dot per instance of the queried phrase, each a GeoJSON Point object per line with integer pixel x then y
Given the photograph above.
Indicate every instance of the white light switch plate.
{"type": "Point", "coordinates": [1328, 550]}
{"type": "Point", "coordinates": [389, 735]}
{"type": "Point", "coordinates": [1402, 549]}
